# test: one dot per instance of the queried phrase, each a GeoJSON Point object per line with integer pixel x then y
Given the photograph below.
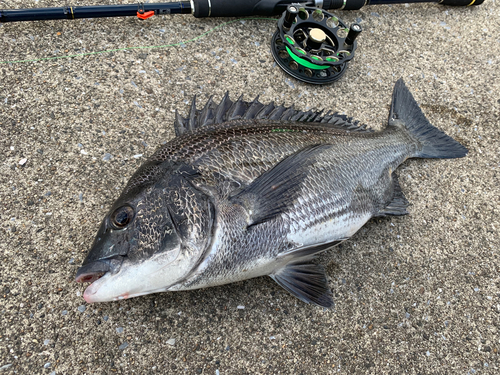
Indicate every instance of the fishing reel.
{"type": "Point", "coordinates": [313, 45]}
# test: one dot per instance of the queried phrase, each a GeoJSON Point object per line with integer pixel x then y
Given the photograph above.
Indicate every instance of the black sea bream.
{"type": "Point", "coordinates": [247, 190]}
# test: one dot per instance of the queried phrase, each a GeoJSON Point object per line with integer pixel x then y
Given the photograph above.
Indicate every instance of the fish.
{"type": "Point", "coordinates": [246, 190]}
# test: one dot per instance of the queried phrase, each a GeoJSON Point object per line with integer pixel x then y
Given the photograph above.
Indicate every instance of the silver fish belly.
{"type": "Point", "coordinates": [248, 190]}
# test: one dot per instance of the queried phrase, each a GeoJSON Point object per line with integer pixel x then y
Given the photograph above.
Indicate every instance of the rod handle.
{"type": "Point", "coordinates": [461, 3]}
{"type": "Point", "coordinates": [239, 8]}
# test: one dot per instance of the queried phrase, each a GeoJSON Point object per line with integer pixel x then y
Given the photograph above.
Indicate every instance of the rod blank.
{"type": "Point", "coordinates": [92, 11]}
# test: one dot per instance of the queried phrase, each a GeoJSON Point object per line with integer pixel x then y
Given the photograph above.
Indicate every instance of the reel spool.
{"type": "Point", "coordinates": [313, 45]}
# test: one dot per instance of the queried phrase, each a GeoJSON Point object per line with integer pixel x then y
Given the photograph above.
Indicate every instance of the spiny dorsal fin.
{"type": "Point", "coordinates": [206, 116]}
{"type": "Point", "coordinates": [192, 116]}
{"type": "Point", "coordinates": [276, 113]}
{"type": "Point", "coordinates": [228, 110]}
{"type": "Point", "coordinates": [222, 109]}
{"type": "Point", "coordinates": [253, 109]}
{"type": "Point", "coordinates": [179, 124]}
{"type": "Point", "coordinates": [265, 111]}
{"type": "Point", "coordinates": [238, 109]}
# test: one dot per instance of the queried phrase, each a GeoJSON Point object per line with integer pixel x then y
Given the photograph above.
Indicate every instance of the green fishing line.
{"type": "Point", "coordinates": [303, 62]}
{"type": "Point", "coordinates": [139, 47]}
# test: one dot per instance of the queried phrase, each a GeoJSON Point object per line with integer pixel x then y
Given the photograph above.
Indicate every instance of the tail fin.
{"type": "Point", "coordinates": [406, 113]}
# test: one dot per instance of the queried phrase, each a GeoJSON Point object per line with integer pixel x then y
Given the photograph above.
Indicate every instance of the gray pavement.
{"type": "Point", "coordinates": [418, 294]}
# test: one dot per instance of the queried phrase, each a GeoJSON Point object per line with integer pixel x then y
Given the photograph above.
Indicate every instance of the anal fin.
{"type": "Point", "coordinates": [397, 206]}
{"type": "Point", "coordinates": [307, 282]}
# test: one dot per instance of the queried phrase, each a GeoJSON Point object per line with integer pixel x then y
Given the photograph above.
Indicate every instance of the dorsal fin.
{"type": "Point", "coordinates": [238, 109]}
{"type": "Point", "coordinates": [228, 110]}
{"type": "Point", "coordinates": [206, 116]}
{"type": "Point", "coordinates": [192, 116]}
{"type": "Point", "coordinates": [179, 126]}
{"type": "Point", "coordinates": [253, 109]}
{"type": "Point", "coordinates": [222, 109]}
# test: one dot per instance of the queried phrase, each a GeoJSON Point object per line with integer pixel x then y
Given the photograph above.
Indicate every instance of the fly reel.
{"type": "Point", "coordinates": [313, 45]}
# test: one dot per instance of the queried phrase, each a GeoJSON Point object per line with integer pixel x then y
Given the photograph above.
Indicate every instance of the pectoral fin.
{"type": "Point", "coordinates": [307, 282]}
{"type": "Point", "coordinates": [274, 191]}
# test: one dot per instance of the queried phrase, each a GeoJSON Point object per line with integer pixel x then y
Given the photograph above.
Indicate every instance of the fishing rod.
{"type": "Point", "coordinates": [199, 8]}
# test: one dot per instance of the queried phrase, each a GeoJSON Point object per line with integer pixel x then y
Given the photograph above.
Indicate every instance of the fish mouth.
{"type": "Point", "coordinates": [88, 273]}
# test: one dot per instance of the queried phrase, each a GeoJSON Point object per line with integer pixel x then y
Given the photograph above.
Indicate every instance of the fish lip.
{"type": "Point", "coordinates": [93, 271]}
{"type": "Point", "coordinates": [89, 292]}
{"type": "Point", "coordinates": [93, 288]}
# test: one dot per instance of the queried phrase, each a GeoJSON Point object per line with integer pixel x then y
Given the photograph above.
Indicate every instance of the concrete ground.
{"type": "Point", "coordinates": [418, 294]}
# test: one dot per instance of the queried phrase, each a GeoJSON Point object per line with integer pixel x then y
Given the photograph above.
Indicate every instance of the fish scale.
{"type": "Point", "coordinates": [247, 190]}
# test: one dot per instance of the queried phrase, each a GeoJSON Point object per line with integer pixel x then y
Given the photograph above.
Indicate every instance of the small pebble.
{"type": "Point", "coordinates": [138, 156]}
{"type": "Point", "coordinates": [241, 307]}
{"type": "Point", "coordinates": [81, 308]}
{"type": "Point", "coordinates": [64, 312]}
{"type": "Point", "coordinates": [289, 83]}
{"type": "Point", "coordinates": [170, 342]}
{"type": "Point", "coordinates": [123, 346]}
{"type": "Point", "coordinates": [107, 156]}
{"type": "Point", "coordinates": [119, 330]}
{"type": "Point", "coordinates": [46, 342]}
{"type": "Point", "coordinates": [23, 161]}
{"type": "Point", "coordinates": [47, 365]}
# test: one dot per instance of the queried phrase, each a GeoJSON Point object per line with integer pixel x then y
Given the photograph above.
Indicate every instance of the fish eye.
{"type": "Point", "coordinates": [121, 217]}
